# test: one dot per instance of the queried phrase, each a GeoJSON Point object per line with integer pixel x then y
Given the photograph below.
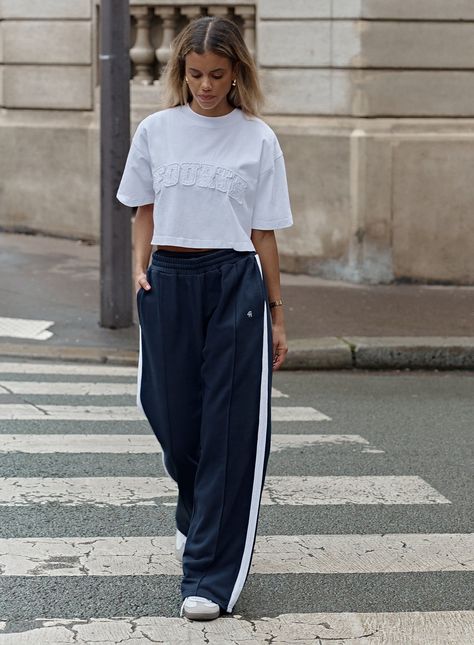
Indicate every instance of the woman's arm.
{"type": "Point", "coordinates": [266, 246]}
{"type": "Point", "coordinates": [142, 234]}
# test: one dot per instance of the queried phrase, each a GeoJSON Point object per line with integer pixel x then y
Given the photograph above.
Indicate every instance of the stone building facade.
{"type": "Point", "coordinates": [372, 101]}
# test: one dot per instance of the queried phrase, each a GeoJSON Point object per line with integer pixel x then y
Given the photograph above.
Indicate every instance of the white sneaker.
{"type": "Point", "coordinates": [199, 608]}
{"type": "Point", "coordinates": [180, 544]}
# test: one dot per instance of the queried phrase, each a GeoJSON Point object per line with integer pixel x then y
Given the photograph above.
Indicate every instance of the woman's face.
{"type": "Point", "coordinates": [209, 80]}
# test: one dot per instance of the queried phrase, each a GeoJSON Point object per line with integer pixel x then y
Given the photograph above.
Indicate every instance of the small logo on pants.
{"type": "Point", "coordinates": [249, 313]}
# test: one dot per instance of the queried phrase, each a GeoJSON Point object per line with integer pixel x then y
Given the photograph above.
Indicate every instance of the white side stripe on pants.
{"type": "Point", "coordinates": [139, 373]}
{"type": "Point", "coordinates": [259, 458]}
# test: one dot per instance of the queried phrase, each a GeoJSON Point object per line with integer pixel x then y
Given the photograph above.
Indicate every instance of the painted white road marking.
{"type": "Point", "coordinates": [278, 554]}
{"type": "Point", "coordinates": [378, 628]}
{"type": "Point", "coordinates": [291, 413]}
{"type": "Point", "coordinates": [66, 368]}
{"type": "Point", "coordinates": [27, 411]}
{"type": "Point", "coordinates": [390, 489]}
{"type": "Point", "coordinates": [25, 328]}
{"type": "Point", "coordinates": [144, 443]}
{"type": "Point", "coordinates": [61, 388]}
{"type": "Point", "coordinates": [291, 491]}
{"type": "Point", "coordinates": [277, 394]}
{"type": "Point", "coordinates": [57, 388]}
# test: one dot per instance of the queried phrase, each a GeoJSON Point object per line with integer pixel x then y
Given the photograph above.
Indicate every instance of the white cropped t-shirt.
{"type": "Point", "coordinates": [211, 180]}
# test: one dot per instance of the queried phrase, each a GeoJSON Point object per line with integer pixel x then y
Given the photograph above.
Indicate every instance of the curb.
{"type": "Point", "coordinates": [394, 352]}
{"type": "Point", "coordinates": [325, 353]}
{"type": "Point", "coordinates": [386, 352]}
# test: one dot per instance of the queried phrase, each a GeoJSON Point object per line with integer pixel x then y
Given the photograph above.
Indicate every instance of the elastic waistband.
{"type": "Point", "coordinates": [195, 260]}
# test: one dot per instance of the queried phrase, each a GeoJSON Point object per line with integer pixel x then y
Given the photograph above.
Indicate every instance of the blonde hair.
{"type": "Point", "coordinates": [220, 36]}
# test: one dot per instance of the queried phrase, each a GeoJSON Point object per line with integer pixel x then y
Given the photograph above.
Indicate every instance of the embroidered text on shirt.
{"type": "Point", "coordinates": [201, 174]}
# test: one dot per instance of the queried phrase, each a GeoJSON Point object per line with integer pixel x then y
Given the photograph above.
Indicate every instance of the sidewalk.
{"type": "Point", "coordinates": [329, 324]}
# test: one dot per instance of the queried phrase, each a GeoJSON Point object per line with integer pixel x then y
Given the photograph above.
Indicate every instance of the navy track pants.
{"type": "Point", "coordinates": [204, 384]}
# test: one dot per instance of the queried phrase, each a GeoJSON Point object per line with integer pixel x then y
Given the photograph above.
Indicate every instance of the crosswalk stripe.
{"type": "Point", "coordinates": [291, 413]}
{"type": "Point", "coordinates": [66, 368]}
{"type": "Point", "coordinates": [144, 443]}
{"type": "Point", "coordinates": [59, 388]}
{"type": "Point", "coordinates": [285, 490]}
{"type": "Point", "coordinates": [378, 628]}
{"type": "Point", "coordinates": [27, 411]}
{"type": "Point", "coordinates": [278, 554]}
{"type": "Point", "coordinates": [278, 394]}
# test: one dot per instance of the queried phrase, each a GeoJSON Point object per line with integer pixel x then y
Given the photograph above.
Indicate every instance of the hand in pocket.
{"type": "Point", "coordinates": [141, 281]}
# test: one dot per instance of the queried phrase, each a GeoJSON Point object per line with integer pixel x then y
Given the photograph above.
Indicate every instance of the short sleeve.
{"type": "Point", "coordinates": [272, 202]}
{"type": "Point", "coordinates": [136, 185]}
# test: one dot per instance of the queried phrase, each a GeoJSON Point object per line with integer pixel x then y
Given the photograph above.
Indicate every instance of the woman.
{"type": "Point", "coordinates": [209, 179]}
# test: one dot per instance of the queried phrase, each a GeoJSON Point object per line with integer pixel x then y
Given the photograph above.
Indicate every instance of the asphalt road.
{"type": "Point", "coordinates": [392, 427]}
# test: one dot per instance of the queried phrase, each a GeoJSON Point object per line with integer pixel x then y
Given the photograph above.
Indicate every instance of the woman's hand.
{"type": "Point", "coordinates": [141, 281]}
{"type": "Point", "coordinates": [280, 346]}
{"type": "Point", "coordinates": [142, 234]}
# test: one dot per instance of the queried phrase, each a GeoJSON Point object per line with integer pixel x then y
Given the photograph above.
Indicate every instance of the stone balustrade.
{"type": "Point", "coordinates": [155, 24]}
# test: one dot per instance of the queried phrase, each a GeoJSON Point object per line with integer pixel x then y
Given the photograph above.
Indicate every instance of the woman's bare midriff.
{"type": "Point", "coordinates": [180, 248]}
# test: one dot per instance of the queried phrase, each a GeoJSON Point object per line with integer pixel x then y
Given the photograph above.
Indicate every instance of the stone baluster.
{"type": "Point", "coordinates": [248, 16]}
{"type": "Point", "coordinates": [142, 53]}
{"type": "Point", "coordinates": [190, 11]}
{"type": "Point", "coordinates": [168, 16]}
{"type": "Point", "coordinates": [224, 12]}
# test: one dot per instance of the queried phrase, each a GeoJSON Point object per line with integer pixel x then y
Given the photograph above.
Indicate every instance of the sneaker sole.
{"type": "Point", "coordinates": [200, 615]}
